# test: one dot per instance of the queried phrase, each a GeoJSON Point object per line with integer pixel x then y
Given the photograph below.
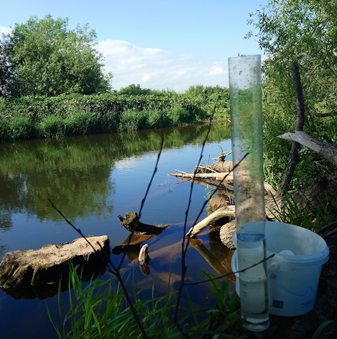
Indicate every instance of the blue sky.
{"type": "Point", "coordinates": [159, 44]}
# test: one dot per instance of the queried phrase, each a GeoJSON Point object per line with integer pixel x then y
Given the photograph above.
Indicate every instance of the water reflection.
{"type": "Point", "coordinates": [77, 184]}
{"type": "Point", "coordinates": [131, 246]}
{"type": "Point", "coordinates": [48, 290]}
{"type": "Point", "coordinates": [92, 177]}
{"type": "Point", "coordinates": [75, 172]}
{"type": "Point", "coordinates": [218, 256]}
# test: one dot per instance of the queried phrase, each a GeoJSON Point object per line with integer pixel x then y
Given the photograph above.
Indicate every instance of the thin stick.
{"type": "Point", "coordinates": [143, 200]}
{"type": "Point", "coordinates": [78, 230]}
{"type": "Point", "coordinates": [115, 271]}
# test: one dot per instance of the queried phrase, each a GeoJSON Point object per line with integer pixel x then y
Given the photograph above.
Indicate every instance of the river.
{"type": "Point", "coordinates": [92, 179]}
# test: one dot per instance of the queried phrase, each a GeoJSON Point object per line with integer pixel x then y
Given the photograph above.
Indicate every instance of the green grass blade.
{"type": "Point", "coordinates": [321, 328]}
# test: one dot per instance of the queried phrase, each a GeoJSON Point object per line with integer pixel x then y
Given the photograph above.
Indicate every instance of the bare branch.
{"type": "Point", "coordinates": [145, 196]}
{"type": "Point", "coordinates": [322, 148]}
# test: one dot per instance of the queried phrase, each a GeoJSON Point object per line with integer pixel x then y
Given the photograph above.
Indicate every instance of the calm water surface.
{"type": "Point", "coordinates": [92, 179]}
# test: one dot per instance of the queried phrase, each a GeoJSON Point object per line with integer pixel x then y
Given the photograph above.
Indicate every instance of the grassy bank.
{"type": "Point", "coordinates": [100, 310]}
{"type": "Point", "coordinates": [66, 115]}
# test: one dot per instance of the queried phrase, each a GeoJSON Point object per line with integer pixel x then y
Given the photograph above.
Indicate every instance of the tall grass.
{"type": "Point", "coordinates": [100, 311]}
{"type": "Point", "coordinates": [297, 210]}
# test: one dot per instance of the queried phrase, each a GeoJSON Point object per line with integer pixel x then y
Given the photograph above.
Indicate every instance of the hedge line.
{"type": "Point", "coordinates": [36, 117]}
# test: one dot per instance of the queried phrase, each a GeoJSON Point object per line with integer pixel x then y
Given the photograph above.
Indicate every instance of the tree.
{"type": "Point", "coordinates": [51, 59]}
{"type": "Point", "coordinates": [134, 90]}
{"type": "Point", "coordinates": [8, 74]}
{"type": "Point", "coordinates": [302, 32]}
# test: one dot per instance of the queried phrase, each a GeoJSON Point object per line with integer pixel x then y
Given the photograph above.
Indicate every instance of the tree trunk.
{"type": "Point", "coordinates": [293, 157]}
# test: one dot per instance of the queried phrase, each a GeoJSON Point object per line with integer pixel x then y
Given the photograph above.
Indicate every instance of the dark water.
{"type": "Point", "coordinates": [93, 179]}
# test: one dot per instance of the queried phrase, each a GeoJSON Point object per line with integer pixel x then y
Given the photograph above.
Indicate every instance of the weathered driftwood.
{"type": "Point", "coordinates": [269, 189]}
{"type": "Point", "coordinates": [217, 176]}
{"type": "Point", "coordinates": [132, 224]}
{"type": "Point", "coordinates": [222, 155]}
{"type": "Point", "coordinates": [220, 208]}
{"type": "Point", "coordinates": [228, 211]}
{"type": "Point", "coordinates": [206, 169]}
{"type": "Point", "coordinates": [218, 201]}
{"type": "Point", "coordinates": [26, 272]}
{"type": "Point", "coordinates": [144, 255]}
{"type": "Point", "coordinates": [222, 166]}
{"type": "Point", "coordinates": [322, 148]}
{"type": "Point", "coordinates": [143, 260]}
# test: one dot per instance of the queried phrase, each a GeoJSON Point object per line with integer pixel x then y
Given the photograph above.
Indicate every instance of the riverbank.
{"type": "Point", "coordinates": [69, 115]}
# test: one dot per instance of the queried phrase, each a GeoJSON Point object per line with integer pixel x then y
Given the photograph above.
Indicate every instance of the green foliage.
{"type": "Point", "coordinates": [77, 114]}
{"type": "Point", "coordinates": [216, 97]}
{"type": "Point", "coordinates": [311, 216]}
{"type": "Point", "coordinates": [8, 74]}
{"type": "Point", "coordinates": [228, 305]}
{"type": "Point", "coordinates": [134, 90]}
{"type": "Point", "coordinates": [52, 60]}
{"type": "Point", "coordinates": [304, 32]}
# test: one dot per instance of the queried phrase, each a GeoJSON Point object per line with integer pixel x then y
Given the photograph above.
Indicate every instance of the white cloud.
{"type": "Point", "coordinates": [5, 30]}
{"type": "Point", "coordinates": [216, 70]}
{"type": "Point", "coordinates": [146, 77]}
{"type": "Point", "coordinates": [158, 69]}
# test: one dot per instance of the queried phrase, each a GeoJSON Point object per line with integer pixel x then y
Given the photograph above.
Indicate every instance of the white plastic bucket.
{"type": "Point", "coordinates": [294, 271]}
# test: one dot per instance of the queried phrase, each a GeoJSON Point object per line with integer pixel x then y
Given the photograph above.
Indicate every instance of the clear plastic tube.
{"type": "Point", "coordinates": [246, 133]}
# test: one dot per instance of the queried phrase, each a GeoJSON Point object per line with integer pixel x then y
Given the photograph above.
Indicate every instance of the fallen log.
{"type": "Point", "coordinates": [218, 201]}
{"type": "Point", "coordinates": [228, 211]}
{"type": "Point", "coordinates": [222, 166]}
{"type": "Point", "coordinates": [226, 176]}
{"type": "Point", "coordinates": [227, 230]}
{"type": "Point", "coordinates": [32, 274]}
